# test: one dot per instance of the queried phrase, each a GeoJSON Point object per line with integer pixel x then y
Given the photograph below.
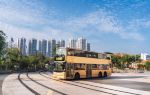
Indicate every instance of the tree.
{"type": "Point", "coordinates": [11, 58]}
{"type": "Point", "coordinates": [41, 61]}
{"type": "Point", "coordinates": [125, 61]}
{"type": "Point", "coordinates": [25, 62]}
{"type": "Point", "coordinates": [2, 45]}
{"type": "Point", "coordinates": [33, 61]}
{"type": "Point", "coordinates": [2, 41]}
{"type": "Point", "coordinates": [116, 61]}
{"type": "Point", "coordinates": [54, 50]}
{"type": "Point", "coordinates": [147, 65]}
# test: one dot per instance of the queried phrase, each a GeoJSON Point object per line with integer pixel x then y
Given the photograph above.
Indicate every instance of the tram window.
{"type": "Point", "coordinates": [100, 67]}
{"type": "Point", "coordinates": [79, 66]}
{"type": "Point", "coordinates": [71, 52]}
{"type": "Point", "coordinates": [82, 66]}
{"type": "Point", "coordinates": [110, 66]}
{"type": "Point", "coordinates": [105, 66]}
{"type": "Point", "coordinates": [94, 66]}
{"type": "Point", "coordinates": [77, 53]}
{"type": "Point", "coordinates": [75, 66]}
{"type": "Point", "coordinates": [69, 66]}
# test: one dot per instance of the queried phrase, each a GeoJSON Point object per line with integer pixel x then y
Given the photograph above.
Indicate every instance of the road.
{"type": "Point", "coordinates": [42, 84]}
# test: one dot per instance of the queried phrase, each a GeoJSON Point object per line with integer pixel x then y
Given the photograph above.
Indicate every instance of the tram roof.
{"type": "Point", "coordinates": [85, 60]}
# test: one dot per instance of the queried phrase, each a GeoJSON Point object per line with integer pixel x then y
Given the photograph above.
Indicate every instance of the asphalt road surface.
{"type": "Point", "coordinates": [42, 84]}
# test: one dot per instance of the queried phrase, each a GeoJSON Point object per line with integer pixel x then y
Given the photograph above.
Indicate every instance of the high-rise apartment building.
{"type": "Point", "coordinates": [62, 43]}
{"type": "Point", "coordinates": [72, 43]}
{"type": "Point", "coordinates": [58, 44]}
{"type": "Point", "coordinates": [40, 47]}
{"type": "Point", "coordinates": [53, 43]}
{"type": "Point", "coordinates": [32, 48]}
{"type": "Point", "coordinates": [81, 43]}
{"type": "Point", "coordinates": [22, 46]}
{"type": "Point", "coordinates": [49, 48]}
{"type": "Point", "coordinates": [44, 47]}
{"type": "Point", "coordinates": [88, 47]}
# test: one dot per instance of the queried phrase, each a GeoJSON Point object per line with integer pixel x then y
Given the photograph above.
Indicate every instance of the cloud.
{"type": "Point", "coordinates": [25, 12]}
{"type": "Point", "coordinates": [46, 33]}
{"type": "Point", "coordinates": [18, 16]}
{"type": "Point", "coordinates": [102, 22]}
{"type": "Point", "coordinates": [140, 23]}
{"type": "Point", "coordinates": [29, 19]}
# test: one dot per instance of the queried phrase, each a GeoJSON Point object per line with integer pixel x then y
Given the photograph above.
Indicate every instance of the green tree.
{"type": "Point", "coordinates": [125, 61]}
{"type": "Point", "coordinates": [147, 65]}
{"type": "Point", "coordinates": [41, 61]}
{"type": "Point", "coordinates": [33, 61]}
{"type": "Point", "coordinates": [25, 62]}
{"type": "Point", "coordinates": [2, 41]}
{"type": "Point", "coordinates": [54, 50]}
{"type": "Point", "coordinates": [12, 57]}
{"type": "Point", "coordinates": [2, 46]}
{"type": "Point", "coordinates": [116, 61]}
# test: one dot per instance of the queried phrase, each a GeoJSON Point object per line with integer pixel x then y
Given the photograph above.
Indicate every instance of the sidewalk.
{"type": "Point", "coordinates": [6, 72]}
{"type": "Point", "coordinates": [2, 77]}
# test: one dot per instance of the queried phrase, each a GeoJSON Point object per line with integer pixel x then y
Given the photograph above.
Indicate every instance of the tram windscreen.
{"type": "Point", "coordinates": [60, 66]}
{"type": "Point", "coordinates": [61, 51]}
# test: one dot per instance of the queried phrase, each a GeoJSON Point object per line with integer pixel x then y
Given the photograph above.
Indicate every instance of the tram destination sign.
{"type": "Point", "coordinates": [60, 58]}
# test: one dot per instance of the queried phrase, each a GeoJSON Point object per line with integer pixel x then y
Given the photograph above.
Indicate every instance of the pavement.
{"type": "Point", "coordinates": [2, 77]}
{"type": "Point", "coordinates": [131, 80]}
{"type": "Point", "coordinates": [42, 84]}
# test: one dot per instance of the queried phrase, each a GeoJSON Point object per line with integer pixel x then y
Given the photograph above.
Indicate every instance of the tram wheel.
{"type": "Point", "coordinates": [100, 74]}
{"type": "Point", "coordinates": [105, 74]}
{"type": "Point", "coordinates": [77, 76]}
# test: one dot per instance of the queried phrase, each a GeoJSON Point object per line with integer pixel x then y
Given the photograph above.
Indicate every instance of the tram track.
{"type": "Point", "coordinates": [93, 86]}
{"type": "Point", "coordinates": [107, 88]}
{"type": "Point", "coordinates": [25, 85]}
{"type": "Point", "coordinates": [45, 85]}
{"type": "Point", "coordinates": [77, 85]}
{"type": "Point", "coordinates": [32, 90]}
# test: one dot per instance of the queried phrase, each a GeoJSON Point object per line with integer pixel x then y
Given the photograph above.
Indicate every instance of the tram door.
{"type": "Point", "coordinates": [88, 71]}
{"type": "Point", "coordinates": [69, 71]}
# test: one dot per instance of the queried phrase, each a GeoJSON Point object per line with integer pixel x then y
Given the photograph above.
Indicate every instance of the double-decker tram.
{"type": "Point", "coordinates": [75, 64]}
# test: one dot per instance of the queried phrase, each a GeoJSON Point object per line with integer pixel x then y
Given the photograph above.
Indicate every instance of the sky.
{"type": "Point", "coordinates": [109, 25]}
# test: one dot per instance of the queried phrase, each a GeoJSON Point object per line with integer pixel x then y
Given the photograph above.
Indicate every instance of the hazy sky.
{"type": "Point", "coordinates": [109, 25]}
